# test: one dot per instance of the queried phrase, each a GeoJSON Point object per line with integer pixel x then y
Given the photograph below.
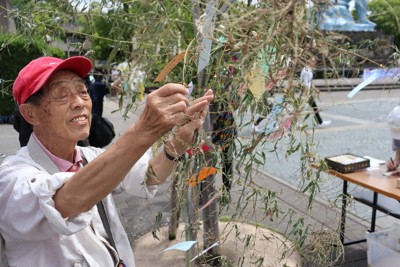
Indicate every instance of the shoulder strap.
{"type": "Point", "coordinates": [3, 259]}
{"type": "Point", "coordinates": [103, 216]}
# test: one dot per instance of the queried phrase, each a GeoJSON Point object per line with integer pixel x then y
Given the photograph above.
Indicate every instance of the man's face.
{"type": "Point", "coordinates": [65, 108]}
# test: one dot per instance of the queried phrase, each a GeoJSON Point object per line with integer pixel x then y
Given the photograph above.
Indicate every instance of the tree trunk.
{"type": "Point", "coordinates": [192, 220]}
{"type": "Point", "coordinates": [175, 211]}
{"type": "Point", "coordinates": [210, 213]}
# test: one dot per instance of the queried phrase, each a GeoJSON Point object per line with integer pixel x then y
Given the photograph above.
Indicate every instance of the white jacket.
{"type": "Point", "coordinates": [36, 234]}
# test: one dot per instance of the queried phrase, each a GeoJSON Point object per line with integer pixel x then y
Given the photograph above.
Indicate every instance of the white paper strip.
{"type": "Point", "coordinates": [183, 246]}
{"type": "Point", "coordinates": [207, 30]}
{"type": "Point", "coordinates": [358, 88]}
{"type": "Point", "coordinates": [204, 251]}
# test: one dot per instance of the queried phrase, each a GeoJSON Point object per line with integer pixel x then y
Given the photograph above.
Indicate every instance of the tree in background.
{"type": "Point", "coordinates": [15, 53]}
{"type": "Point", "coordinates": [386, 15]}
{"type": "Point", "coordinates": [110, 32]}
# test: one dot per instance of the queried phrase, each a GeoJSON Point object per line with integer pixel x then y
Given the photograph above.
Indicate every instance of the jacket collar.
{"type": "Point", "coordinates": [40, 157]}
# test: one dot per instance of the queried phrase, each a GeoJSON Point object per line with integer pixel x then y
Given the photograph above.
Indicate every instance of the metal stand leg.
{"type": "Point", "coordinates": [374, 205]}
{"type": "Point", "coordinates": [343, 216]}
{"type": "Point", "coordinates": [343, 219]}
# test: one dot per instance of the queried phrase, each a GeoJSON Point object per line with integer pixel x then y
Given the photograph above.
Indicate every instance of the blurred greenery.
{"type": "Point", "coordinates": [16, 52]}
{"type": "Point", "coordinates": [386, 15]}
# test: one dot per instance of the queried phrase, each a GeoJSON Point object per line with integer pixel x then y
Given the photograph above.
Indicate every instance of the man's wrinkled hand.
{"type": "Point", "coordinates": [164, 109]}
{"type": "Point", "coordinates": [191, 123]}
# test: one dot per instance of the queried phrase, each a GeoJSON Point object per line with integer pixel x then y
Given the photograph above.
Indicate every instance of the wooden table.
{"type": "Point", "coordinates": [373, 179]}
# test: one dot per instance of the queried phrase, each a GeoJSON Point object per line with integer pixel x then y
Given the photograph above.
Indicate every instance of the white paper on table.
{"type": "Point", "coordinates": [373, 162]}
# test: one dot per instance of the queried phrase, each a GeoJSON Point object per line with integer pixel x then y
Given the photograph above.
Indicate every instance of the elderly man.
{"type": "Point", "coordinates": [306, 79]}
{"type": "Point", "coordinates": [50, 188]}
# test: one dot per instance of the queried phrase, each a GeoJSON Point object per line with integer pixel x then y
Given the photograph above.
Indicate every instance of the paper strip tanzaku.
{"type": "Point", "coordinates": [203, 174]}
{"type": "Point", "coordinates": [182, 246]}
{"type": "Point", "coordinates": [256, 82]}
{"type": "Point", "coordinates": [356, 89]}
{"type": "Point", "coordinates": [170, 66]}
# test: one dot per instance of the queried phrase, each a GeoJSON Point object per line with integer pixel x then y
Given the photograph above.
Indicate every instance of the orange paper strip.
{"type": "Point", "coordinates": [170, 66]}
{"type": "Point", "coordinates": [203, 174]}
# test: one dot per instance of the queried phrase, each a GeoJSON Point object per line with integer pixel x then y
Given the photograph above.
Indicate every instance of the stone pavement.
{"type": "Point", "coordinates": [358, 126]}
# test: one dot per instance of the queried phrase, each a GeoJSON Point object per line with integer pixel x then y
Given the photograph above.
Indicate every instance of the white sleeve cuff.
{"type": "Point", "coordinates": [44, 190]}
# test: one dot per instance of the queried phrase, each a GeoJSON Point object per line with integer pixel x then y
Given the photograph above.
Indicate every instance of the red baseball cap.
{"type": "Point", "coordinates": [34, 75]}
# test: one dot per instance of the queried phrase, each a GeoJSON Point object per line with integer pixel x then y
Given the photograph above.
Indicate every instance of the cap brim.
{"type": "Point", "coordinates": [79, 65]}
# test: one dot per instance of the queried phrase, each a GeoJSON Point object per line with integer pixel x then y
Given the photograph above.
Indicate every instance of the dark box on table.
{"type": "Point", "coordinates": [346, 163]}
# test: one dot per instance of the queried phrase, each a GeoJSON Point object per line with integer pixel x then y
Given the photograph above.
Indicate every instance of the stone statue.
{"type": "Point", "coordinates": [337, 17]}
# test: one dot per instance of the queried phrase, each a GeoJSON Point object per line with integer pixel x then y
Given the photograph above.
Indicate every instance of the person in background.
{"type": "Point", "coordinates": [55, 197]}
{"type": "Point", "coordinates": [225, 128]}
{"type": "Point", "coordinates": [393, 120]}
{"type": "Point", "coordinates": [116, 81]}
{"type": "Point", "coordinates": [97, 90]}
{"type": "Point", "coordinates": [223, 136]}
{"type": "Point", "coordinates": [87, 80]}
{"type": "Point", "coordinates": [263, 108]}
{"type": "Point", "coordinates": [306, 78]}
{"type": "Point", "coordinates": [23, 128]}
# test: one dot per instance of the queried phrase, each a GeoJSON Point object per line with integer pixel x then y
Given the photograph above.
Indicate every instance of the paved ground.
{"type": "Point", "coordinates": [358, 126]}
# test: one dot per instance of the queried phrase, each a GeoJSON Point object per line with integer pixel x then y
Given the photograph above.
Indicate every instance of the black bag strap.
{"type": "Point", "coordinates": [103, 216]}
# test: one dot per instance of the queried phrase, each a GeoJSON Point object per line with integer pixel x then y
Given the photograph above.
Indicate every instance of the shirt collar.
{"type": "Point", "coordinates": [62, 164]}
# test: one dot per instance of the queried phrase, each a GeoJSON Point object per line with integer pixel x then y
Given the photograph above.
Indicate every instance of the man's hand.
{"type": "Point", "coordinates": [391, 165]}
{"type": "Point", "coordinates": [192, 122]}
{"type": "Point", "coordinates": [164, 109]}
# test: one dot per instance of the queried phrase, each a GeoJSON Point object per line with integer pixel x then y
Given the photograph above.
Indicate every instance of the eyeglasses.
{"type": "Point", "coordinates": [63, 91]}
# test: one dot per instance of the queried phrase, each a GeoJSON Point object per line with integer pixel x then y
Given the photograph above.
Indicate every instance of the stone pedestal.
{"type": "Point", "coordinates": [374, 50]}
{"type": "Point", "coordinates": [375, 46]}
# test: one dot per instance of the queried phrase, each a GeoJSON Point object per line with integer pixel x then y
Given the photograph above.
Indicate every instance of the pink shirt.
{"type": "Point", "coordinates": [62, 164]}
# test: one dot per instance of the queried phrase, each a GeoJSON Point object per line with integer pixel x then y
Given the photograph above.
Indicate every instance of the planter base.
{"type": "Point", "coordinates": [273, 248]}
